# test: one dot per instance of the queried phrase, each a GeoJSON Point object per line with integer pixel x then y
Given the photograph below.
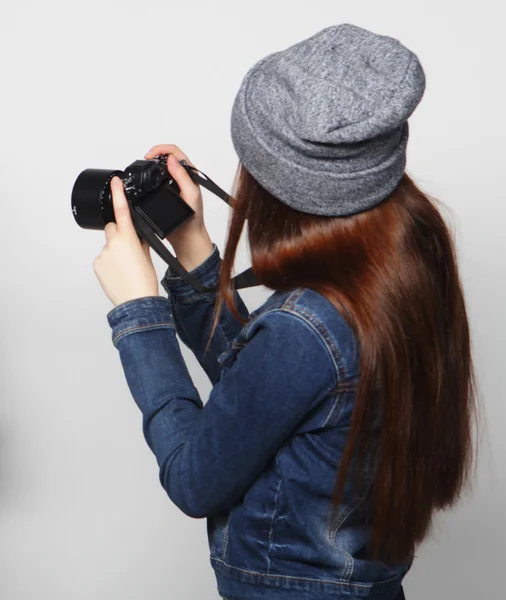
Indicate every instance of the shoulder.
{"type": "Point", "coordinates": [309, 317]}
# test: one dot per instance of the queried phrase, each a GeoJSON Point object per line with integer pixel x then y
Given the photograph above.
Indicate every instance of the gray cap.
{"type": "Point", "coordinates": [323, 125]}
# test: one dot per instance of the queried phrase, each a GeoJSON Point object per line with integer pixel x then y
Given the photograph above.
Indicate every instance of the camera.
{"type": "Point", "coordinates": [156, 207]}
{"type": "Point", "coordinates": [150, 189]}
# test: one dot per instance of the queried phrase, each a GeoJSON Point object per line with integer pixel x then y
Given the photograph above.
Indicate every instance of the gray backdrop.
{"type": "Point", "coordinates": [96, 84]}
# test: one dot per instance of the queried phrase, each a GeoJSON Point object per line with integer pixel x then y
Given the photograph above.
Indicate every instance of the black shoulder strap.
{"type": "Point", "coordinates": [202, 179]}
{"type": "Point", "coordinates": [148, 235]}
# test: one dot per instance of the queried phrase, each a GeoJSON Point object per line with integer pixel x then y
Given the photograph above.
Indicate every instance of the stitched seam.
{"type": "Point", "coordinates": [337, 406]}
{"type": "Point", "coordinates": [325, 335]}
{"type": "Point", "coordinates": [342, 386]}
{"type": "Point", "coordinates": [274, 514]}
{"type": "Point", "coordinates": [324, 332]}
{"type": "Point", "coordinates": [337, 582]}
{"type": "Point", "coordinates": [143, 328]}
{"type": "Point", "coordinates": [310, 324]}
{"type": "Point", "coordinates": [342, 518]}
{"type": "Point", "coordinates": [344, 515]}
{"type": "Point", "coordinates": [333, 407]}
{"type": "Point", "coordinates": [290, 305]}
{"type": "Point", "coordinates": [324, 338]}
{"type": "Point", "coordinates": [293, 297]}
{"type": "Point", "coordinates": [348, 570]}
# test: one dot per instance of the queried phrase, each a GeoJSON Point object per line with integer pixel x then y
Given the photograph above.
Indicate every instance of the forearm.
{"type": "Point", "coordinates": [192, 250]}
{"type": "Point", "coordinates": [173, 414]}
{"type": "Point", "coordinates": [145, 335]}
{"type": "Point", "coordinates": [194, 314]}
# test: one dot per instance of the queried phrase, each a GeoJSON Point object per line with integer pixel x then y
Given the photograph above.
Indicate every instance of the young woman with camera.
{"type": "Point", "coordinates": [340, 419]}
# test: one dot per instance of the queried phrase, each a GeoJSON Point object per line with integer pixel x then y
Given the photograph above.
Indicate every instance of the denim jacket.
{"type": "Point", "coordinates": [260, 458]}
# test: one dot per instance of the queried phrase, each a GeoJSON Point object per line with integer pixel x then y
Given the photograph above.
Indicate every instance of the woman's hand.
{"type": "Point", "coordinates": [190, 192]}
{"type": "Point", "coordinates": [191, 241]}
{"type": "Point", "coordinates": [124, 267]}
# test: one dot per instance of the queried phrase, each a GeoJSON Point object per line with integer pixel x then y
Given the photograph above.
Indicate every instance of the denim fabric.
{"type": "Point", "coordinates": [259, 460]}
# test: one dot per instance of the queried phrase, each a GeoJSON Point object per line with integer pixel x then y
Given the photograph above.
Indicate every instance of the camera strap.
{"type": "Point", "coordinates": [202, 179]}
{"type": "Point", "coordinates": [149, 236]}
{"type": "Point", "coordinates": [245, 279]}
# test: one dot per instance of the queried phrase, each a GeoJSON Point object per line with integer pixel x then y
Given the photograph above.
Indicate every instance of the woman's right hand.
{"type": "Point", "coordinates": [191, 241]}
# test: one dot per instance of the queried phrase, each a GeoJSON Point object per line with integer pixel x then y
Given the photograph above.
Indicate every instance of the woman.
{"type": "Point", "coordinates": [340, 416]}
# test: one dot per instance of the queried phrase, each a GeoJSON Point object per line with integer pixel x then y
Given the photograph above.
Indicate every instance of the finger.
{"type": "Point", "coordinates": [110, 230]}
{"type": "Point", "coordinates": [167, 149]}
{"type": "Point", "coordinates": [181, 176]}
{"type": "Point", "coordinates": [121, 208]}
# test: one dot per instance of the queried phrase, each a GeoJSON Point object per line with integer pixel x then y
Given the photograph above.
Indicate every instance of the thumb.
{"type": "Point", "coordinates": [121, 208]}
{"type": "Point", "coordinates": [186, 185]}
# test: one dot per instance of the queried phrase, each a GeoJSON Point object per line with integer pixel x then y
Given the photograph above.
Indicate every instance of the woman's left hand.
{"type": "Point", "coordinates": [124, 267]}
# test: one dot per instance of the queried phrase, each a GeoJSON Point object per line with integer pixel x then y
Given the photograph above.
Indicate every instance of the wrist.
{"type": "Point", "coordinates": [192, 249]}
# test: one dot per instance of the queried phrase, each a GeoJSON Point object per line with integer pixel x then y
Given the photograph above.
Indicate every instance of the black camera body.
{"type": "Point", "coordinates": [150, 189]}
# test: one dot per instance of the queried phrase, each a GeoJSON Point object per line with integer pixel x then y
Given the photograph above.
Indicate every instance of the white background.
{"type": "Point", "coordinates": [96, 84]}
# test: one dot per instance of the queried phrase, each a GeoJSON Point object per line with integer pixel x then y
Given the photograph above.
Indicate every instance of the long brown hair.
{"type": "Point", "coordinates": [392, 272]}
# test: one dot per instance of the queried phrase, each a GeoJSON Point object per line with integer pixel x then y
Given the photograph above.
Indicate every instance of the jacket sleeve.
{"type": "Point", "coordinates": [193, 314]}
{"type": "Point", "coordinates": [209, 455]}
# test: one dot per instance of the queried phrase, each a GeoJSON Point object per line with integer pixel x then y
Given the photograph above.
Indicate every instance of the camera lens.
{"type": "Point", "coordinates": [91, 198]}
